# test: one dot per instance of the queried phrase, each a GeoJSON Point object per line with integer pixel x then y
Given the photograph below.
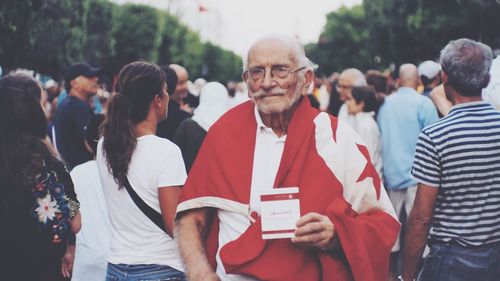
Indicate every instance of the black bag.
{"type": "Point", "coordinates": [152, 214]}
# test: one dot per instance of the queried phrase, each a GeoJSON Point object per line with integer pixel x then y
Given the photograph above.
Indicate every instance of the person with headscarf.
{"type": "Point", "coordinates": [191, 132]}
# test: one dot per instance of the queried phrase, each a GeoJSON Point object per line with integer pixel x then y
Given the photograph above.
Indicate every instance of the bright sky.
{"type": "Point", "coordinates": [236, 24]}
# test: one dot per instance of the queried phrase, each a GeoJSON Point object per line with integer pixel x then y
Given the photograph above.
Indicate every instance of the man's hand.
{"type": "Point", "coordinates": [67, 261]}
{"type": "Point", "coordinates": [315, 230]}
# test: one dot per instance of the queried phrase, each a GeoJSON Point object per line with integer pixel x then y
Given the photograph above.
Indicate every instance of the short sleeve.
{"type": "Point", "coordinates": [428, 113]}
{"type": "Point", "coordinates": [426, 165]}
{"type": "Point", "coordinates": [173, 170]}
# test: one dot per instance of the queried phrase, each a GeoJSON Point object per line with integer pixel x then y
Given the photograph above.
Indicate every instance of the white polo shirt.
{"type": "Point", "coordinates": [267, 157]}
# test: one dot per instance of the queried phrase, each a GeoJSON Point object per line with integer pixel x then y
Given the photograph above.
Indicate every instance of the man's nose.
{"type": "Point", "coordinates": [268, 81]}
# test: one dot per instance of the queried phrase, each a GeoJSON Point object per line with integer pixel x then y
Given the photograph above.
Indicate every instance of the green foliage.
{"type": "Point", "coordinates": [48, 35]}
{"type": "Point", "coordinates": [97, 25]}
{"type": "Point", "coordinates": [42, 35]}
{"type": "Point", "coordinates": [221, 65]}
{"type": "Point", "coordinates": [182, 46]}
{"type": "Point", "coordinates": [343, 42]}
{"type": "Point", "coordinates": [135, 28]}
{"type": "Point", "coordinates": [14, 29]}
{"type": "Point", "coordinates": [381, 32]}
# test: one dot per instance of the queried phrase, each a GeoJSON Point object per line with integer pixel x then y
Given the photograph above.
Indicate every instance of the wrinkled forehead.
{"type": "Point", "coordinates": [272, 52]}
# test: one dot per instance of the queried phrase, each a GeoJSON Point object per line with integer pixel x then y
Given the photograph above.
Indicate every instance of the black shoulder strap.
{"type": "Point", "coordinates": [152, 214]}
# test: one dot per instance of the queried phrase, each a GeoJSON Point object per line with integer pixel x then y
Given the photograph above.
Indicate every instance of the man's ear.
{"type": "Point", "coordinates": [244, 75]}
{"type": "Point", "coordinates": [74, 82]}
{"type": "Point", "coordinates": [157, 101]}
{"type": "Point", "coordinates": [444, 77]}
{"type": "Point", "coordinates": [309, 77]}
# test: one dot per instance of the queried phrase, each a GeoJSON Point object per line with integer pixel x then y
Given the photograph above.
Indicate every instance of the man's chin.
{"type": "Point", "coordinates": [271, 108]}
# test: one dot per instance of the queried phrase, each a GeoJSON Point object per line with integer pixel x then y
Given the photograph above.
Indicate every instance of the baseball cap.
{"type": "Point", "coordinates": [80, 69]}
{"type": "Point", "coordinates": [50, 83]}
{"type": "Point", "coordinates": [429, 69]}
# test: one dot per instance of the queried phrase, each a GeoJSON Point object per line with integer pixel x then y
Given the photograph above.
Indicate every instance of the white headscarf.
{"type": "Point", "coordinates": [213, 103]}
{"type": "Point", "coordinates": [492, 92]}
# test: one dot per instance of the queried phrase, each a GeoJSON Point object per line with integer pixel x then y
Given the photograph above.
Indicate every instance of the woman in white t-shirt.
{"type": "Point", "coordinates": [363, 104]}
{"type": "Point", "coordinates": [130, 152]}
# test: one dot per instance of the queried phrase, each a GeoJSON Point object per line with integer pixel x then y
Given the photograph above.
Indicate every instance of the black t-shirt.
{"type": "Point", "coordinates": [189, 137]}
{"type": "Point", "coordinates": [35, 226]}
{"type": "Point", "coordinates": [72, 117]}
{"type": "Point", "coordinates": [166, 128]}
{"type": "Point", "coordinates": [192, 100]}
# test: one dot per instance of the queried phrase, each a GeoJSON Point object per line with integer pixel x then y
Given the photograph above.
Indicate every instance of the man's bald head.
{"type": "Point", "coordinates": [408, 75]}
{"type": "Point", "coordinates": [181, 89]}
{"type": "Point", "coordinates": [178, 69]}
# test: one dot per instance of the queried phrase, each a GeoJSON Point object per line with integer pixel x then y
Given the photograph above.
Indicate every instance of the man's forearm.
{"type": "Point", "coordinates": [189, 233]}
{"type": "Point", "coordinates": [415, 241]}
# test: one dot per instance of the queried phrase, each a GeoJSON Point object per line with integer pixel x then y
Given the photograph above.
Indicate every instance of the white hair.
{"type": "Point", "coordinates": [290, 41]}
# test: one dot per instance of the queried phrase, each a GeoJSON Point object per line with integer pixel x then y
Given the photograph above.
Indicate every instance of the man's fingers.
{"type": "Point", "coordinates": [65, 272]}
{"type": "Point", "coordinates": [319, 240]}
{"type": "Point", "coordinates": [311, 227]}
{"type": "Point", "coordinates": [310, 217]}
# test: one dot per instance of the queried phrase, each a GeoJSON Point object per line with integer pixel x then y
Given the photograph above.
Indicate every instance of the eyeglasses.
{"type": "Point", "coordinates": [340, 87]}
{"type": "Point", "coordinates": [277, 71]}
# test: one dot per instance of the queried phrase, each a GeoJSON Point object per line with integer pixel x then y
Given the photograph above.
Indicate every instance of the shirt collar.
{"type": "Point", "coordinates": [405, 90]}
{"type": "Point", "coordinates": [260, 124]}
{"type": "Point", "coordinates": [470, 106]}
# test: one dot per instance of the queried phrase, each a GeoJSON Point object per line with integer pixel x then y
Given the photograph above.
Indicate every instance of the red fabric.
{"type": "Point", "coordinates": [224, 169]}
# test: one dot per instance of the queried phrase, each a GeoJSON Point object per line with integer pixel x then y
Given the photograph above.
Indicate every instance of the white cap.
{"type": "Point", "coordinates": [50, 83]}
{"type": "Point", "coordinates": [429, 69]}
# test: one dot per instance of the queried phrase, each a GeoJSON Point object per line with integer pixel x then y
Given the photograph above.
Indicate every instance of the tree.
{"type": "Point", "coordinates": [221, 65]}
{"type": "Point", "coordinates": [344, 41]}
{"type": "Point", "coordinates": [416, 30]}
{"type": "Point", "coordinates": [98, 24]}
{"type": "Point", "coordinates": [135, 31]}
{"type": "Point", "coordinates": [45, 36]}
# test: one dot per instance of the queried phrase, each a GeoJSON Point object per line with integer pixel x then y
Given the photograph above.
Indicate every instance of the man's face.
{"type": "Point", "coordinates": [164, 100]}
{"type": "Point", "coordinates": [272, 94]}
{"type": "Point", "coordinates": [181, 89]}
{"type": "Point", "coordinates": [87, 85]}
{"type": "Point", "coordinates": [344, 87]}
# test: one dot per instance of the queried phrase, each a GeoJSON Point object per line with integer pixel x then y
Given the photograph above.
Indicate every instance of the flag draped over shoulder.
{"type": "Point", "coordinates": [331, 166]}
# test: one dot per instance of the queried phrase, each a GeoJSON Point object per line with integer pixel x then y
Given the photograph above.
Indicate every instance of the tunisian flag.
{"type": "Point", "coordinates": [331, 166]}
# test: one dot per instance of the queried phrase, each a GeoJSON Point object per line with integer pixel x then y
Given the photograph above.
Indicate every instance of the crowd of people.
{"type": "Point", "coordinates": [158, 178]}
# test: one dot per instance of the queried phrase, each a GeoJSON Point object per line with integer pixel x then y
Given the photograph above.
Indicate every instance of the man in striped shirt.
{"type": "Point", "coordinates": [457, 165]}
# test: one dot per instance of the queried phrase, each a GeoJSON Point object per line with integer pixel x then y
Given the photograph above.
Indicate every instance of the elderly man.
{"type": "Point", "coordinates": [347, 225]}
{"type": "Point", "coordinates": [177, 110]}
{"type": "Point", "coordinates": [351, 77]}
{"type": "Point", "coordinates": [458, 172]}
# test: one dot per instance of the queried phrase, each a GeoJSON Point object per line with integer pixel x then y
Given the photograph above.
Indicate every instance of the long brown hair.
{"type": "Point", "coordinates": [138, 83]}
{"type": "Point", "coordinates": [22, 129]}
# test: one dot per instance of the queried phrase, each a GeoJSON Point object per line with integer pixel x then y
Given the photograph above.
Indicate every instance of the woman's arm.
{"type": "Point", "coordinates": [169, 198]}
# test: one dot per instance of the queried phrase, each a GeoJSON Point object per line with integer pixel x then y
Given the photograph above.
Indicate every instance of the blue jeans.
{"type": "Point", "coordinates": [142, 272]}
{"type": "Point", "coordinates": [454, 262]}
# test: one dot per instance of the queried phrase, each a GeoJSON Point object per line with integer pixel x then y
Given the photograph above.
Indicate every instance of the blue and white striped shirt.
{"type": "Point", "coordinates": [460, 154]}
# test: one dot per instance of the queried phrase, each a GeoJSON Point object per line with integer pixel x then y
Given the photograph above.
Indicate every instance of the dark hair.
{"type": "Point", "coordinates": [367, 95]}
{"type": "Point", "coordinates": [335, 103]}
{"type": "Point", "coordinates": [92, 132]}
{"type": "Point", "coordinates": [22, 130]}
{"type": "Point", "coordinates": [138, 83]}
{"type": "Point", "coordinates": [171, 78]}
{"type": "Point", "coordinates": [377, 80]}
